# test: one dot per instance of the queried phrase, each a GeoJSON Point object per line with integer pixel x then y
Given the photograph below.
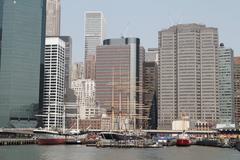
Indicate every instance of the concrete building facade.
{"type": "Point", "coordinates": [151, 55]}
{"type": "Point", "coordinates": [53, 17]}
{"type": "Point", "coordinates": [187, 84]}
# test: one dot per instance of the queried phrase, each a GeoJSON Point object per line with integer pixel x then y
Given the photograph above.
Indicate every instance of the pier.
{"type": "Point", "coordinates": [17, 141]}
{"type": "Point", "coordinates": [124, 144]}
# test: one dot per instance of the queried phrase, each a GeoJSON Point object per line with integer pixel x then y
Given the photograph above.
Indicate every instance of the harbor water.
{"type": "Point", "coordinates": [79, 152]}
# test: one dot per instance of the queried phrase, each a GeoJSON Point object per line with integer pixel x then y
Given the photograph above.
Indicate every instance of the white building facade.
{"type": "Point", "coordinates": [84, 90]}
{"type": "Point", "coordinates": [77, 71]}
{"type": "Point", "coordinates": [94, 35]}
{"type": "Point", "coordinates": [53, 94]}
{"type": "Point", "coordinates": [151, 55]}
{"type": "Point", "coordinates": [94, 31]}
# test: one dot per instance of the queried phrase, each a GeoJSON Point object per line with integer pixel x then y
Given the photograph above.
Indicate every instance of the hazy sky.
{"type": "Point", "coordinates": [144, 18]}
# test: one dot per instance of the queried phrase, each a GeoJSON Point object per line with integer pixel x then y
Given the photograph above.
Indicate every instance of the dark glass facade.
{"type": "Point", "coordinates": [22, 27]}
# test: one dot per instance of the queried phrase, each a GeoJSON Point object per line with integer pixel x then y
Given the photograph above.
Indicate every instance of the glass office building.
{"type": "Point", "coordinates": [225, 85]}
{"type": "Point", "coordinates": [22, 34]}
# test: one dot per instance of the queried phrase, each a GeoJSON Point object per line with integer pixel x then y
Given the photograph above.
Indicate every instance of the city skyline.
{"type": "Point", "coordinates": [161, 16]}
{"type": "Point", "coordinates": [130, 75]}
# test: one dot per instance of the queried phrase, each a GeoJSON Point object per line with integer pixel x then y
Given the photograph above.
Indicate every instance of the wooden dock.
{"type": "Point", "coordinates": [17, 141]}
{"type": "Point", "coordinates": [114, 144]}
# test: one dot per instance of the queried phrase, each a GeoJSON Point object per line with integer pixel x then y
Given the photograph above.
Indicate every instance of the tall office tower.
{"type": "Point", "coordinates": [150, 90]}
{"type": "Point", "coordinates": [188, 83]}
{"type": "Point", "coordinates": [151, 55]}
{"type": "Point", "coordinates": [226, 85]}
{"type": "Point", "coordinates": [84, 90]}
{"type": "Point", "coordinates": [119, 80]}
{"type": "Point", "coordinates": [22, 36]}
{"type": "Point", "coordinates": [68, 61]}
{"type": "Point", "coordinates": [53, 94]}
{"type": "Point", "coordinates": [237, 89]}
{"type": "Point", "coordinates": [53, 16]}
{"type": "Point", "coordinates": [77, 71]}
{"type": "Point", "coordinates": [94, 35]}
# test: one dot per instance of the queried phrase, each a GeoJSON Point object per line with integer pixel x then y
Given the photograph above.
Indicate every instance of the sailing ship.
{"type": "Point", "coordinates": [48, 137]}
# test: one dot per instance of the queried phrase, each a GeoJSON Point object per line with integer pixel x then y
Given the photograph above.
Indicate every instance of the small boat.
{"type": "Point", "coordinates": [120, 139]}
{"type": "Point", "coordinates": [183, 140]}
{"type": "Point", "coordinates": [165, 140]}
{"type": "Point", "coordinates": [47, 137]}
{"type": "Point", "coordinates": [75, 139]}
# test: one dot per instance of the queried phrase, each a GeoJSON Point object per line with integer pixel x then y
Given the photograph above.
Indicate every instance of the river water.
{"type": "Point", "coordinates": [78, 152]}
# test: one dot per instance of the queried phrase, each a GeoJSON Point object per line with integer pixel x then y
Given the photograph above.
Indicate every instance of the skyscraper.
{"type": "Point", "coordinates": [226, 85]}
{"type": "Point", "coordinates": [119, 79]}
{"type": "Point", "coordinates": [68, 61]}
{"type": "Point", "coordinates": [53, 17]}
{"type": "Point", "coordinates": [187, 84]}
{"type": "Point", "coordinates": [150, 91]}
{"type": "Point", "coordinates": [237, 89]}
{"type": "Point", "coordinates": [53, 94]}
{"type": "Point", "coordinates": [94, 35]}
{"type": "Point", "coordinates": [22, 34]}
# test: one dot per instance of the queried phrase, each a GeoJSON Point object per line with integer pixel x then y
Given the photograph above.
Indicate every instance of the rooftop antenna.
{"type": "Point", "coordinates": [180, 17]}
{"type": "Point", "coordinates": [125, 31]}
{"type": "Point", "coordinates": [173, 20]}
{"type": "Point", "coordinates": [170, 20]}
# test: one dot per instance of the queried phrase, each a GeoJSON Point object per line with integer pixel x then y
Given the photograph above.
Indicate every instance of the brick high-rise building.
{"type": "Point", "coordinates": [119, 80]}
{"type": "Point", "coordinates": [90, 65]}
{"type": "Point", "coordinates": [237, 89]}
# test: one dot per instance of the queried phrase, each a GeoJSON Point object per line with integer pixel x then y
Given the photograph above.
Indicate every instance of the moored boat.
{"type": "Point", "coordinates": [46, 137]}
{"type": "Point", "coordinates": [118, 136]}
{"type": "Point", "coordinates": [165, 140]}
{"type": "Point", "coordinates": [183, 140]}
